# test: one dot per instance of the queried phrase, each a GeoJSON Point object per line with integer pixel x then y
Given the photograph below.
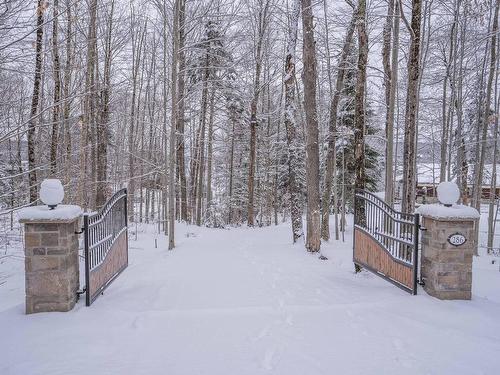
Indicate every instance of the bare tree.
{"type": "Point", "coordinates": [57, 87]}
{"type": "Point", "coordinates": [290, 124]}
{"type": "Point", "coordinates": [409, 152]}
{"type": "Point", "coordinates": [102, 126]}
{"type": "Point", "coordinates": [262, 23]}
{"type": "Point", "coordinates": [309, 78]}
{"type": "Point", "coordinates": [487, 117]}
{"type": "Point", "coordinates": [35, 102]}
{"type": "Point", "coordinates": [492, 210]}
{"type": "Point", "coordinates": [181, 168]}
{"type": "Point", "coordinates": [391, 83]}
{"type": "Point", "coordinates": [172, 140]}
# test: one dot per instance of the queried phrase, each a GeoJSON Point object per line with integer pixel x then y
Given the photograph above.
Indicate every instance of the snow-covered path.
{"type": "Point", "coordinates": [244, 301]}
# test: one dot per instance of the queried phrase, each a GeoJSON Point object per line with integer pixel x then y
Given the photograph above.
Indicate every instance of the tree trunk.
{"type": "Point", "coordinates": [180, 115]}
{"type": "Point", "coordinates": [231, 173]}
{"type": "Point", "coordinates": [33, 185]}
{"type": "Point", "coordinates": [210, 150]}
{"type": "Point", "coordinates": [200, 160]}
{"type": "Point", "coordinates": [492, 210]}
{"type": "Point", "coordinates": [193, 178]}
{"type": "Point", "coordinates": [137, 44]}
{"type": "Point", "coordinates": [461, 165]}
{"type": "Point", "coordinates": [389, 129]}
{"type": "Point", "coordinates": [57, 88]}
{"type": "Point", "coordinates": [86, 120]}
{"type": "Point", "coordinates": [359, 109]}
{"type": "Point", "coordinates": [172, 140]}
{"type": "Point", "coordinates": [102, 127]}
{"type": "Point", "coordinates": [386, 54]}
{"type": "Point", "coordinates": [290, 125]}
{"type": "Point", "coordinates": [486, 118]}
{"type": "Point", "coordinates": [447, 111]}
{"type": "Point", "coordinates": [493, 188]}
{"type": "Point", "coordinates": [66, 92]}
{"type": "Point", "coordinates": [409, 173]}
{"type": "Point", "coordinates": [262, 26]}
{"type": "Point", "coordinates": [309, 77]}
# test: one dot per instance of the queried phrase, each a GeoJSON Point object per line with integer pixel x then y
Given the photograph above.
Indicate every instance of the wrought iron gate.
{"type": "Point", "coordinates": [105, 245]}
{"type": "Point", "coordinates": [386, 241]}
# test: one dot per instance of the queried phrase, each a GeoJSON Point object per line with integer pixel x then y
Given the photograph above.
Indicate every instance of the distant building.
{"type": "Point", "coordinates": [428, 180]}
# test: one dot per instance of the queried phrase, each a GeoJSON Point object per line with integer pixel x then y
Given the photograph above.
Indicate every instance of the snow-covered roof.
{"type": "Point", "coordinates": [428, 173]}
{"type": "Point", "coordinates": [62, 212]}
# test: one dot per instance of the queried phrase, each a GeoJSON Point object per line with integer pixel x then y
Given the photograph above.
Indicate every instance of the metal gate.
{"type": "Point", "coordinates": [105, 245]}
{"type": "Point", "coordinates": [386, 241]}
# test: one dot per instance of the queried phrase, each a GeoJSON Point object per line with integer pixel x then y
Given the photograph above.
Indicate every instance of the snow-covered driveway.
{"type": "Point", "coordinates": [244, 301]}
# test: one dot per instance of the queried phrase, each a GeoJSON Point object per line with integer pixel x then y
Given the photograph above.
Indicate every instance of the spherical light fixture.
{"type": "Point", "coordinates": [448, 193]}
{"type": "Point", "coordinates": [51, 192]}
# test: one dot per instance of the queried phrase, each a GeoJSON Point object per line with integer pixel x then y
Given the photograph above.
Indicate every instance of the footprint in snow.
{"type": "Point", "coordinates": [398, 344]}
{"type": "Point", "coordinates": [267, 362]}
{"type": "Point", "coordinates": [135, 322]}
{"type": "Point", "coordinates": [263, 333]}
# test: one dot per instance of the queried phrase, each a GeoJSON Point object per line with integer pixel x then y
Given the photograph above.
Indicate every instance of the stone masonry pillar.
{"type": "Point", "coordinates": [448, 244]}
{"type": "Point", "coordinates": [51, 257]}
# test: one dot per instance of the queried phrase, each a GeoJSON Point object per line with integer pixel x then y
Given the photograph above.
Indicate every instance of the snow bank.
{"type": "Point", "coordinates": [248, 302]}
{"type": "Point", "coordinates": [61, 212]}
{"type": "Point", "coordinates": [457, 211]}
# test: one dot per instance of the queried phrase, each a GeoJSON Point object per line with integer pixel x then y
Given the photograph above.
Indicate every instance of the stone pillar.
{"type": "Point", "coordinates": [448, 244]}
{"type": "Point", "coordinates": [51, 263]}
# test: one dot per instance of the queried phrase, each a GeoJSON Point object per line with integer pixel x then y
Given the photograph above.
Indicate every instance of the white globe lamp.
{"type": "Point", "coordinates": [51, 192]}
{"type": "Point", "coordinates": [448, 193]}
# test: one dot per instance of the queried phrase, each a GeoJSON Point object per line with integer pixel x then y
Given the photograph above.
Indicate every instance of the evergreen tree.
{"type": "Point", "coordinates": [345, 139]}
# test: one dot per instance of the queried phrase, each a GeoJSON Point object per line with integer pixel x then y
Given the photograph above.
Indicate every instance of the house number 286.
{"type": "Point", "coordinates": [457, 239]}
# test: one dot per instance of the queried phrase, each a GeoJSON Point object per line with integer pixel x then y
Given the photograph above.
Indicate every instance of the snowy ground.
{"type": "Point", "coordinates": [245, 301]}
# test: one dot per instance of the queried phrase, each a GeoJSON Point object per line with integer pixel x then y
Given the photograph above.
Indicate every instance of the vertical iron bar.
{"type": "Point", "coordinates": [125, 203]}
{"type": "Point", "coordinates": [86, 252]}
{"type": "Point", "coordinates": [415, 252]}
{"type": "Point", "coordinates": [354, 226]}
{"type": "Point", "coordinates": [126, 219]}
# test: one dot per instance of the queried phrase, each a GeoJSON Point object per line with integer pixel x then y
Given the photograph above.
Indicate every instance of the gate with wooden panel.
{"type": "Point", "coordinates": [386, 241]}
{"type": "Point", "coordinates": [105, 245]}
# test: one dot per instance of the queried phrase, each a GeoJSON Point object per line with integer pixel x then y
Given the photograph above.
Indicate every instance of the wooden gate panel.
{"type": "Point", "coordinates": [370, 254]}
{"type": "Point", "coordinates": [106, 245]}
{"type": "Point", "coordinates": [386, 241]}
{"type": "Point", "coordinates": [112, 265]}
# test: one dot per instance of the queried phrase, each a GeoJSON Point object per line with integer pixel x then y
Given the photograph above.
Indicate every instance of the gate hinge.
{"type": "Point", "coordinates": [422, 228]}
{"type": "Point", "coordinates": [80, 232]}
{"type": "Point", "coordinates": [79, 293]}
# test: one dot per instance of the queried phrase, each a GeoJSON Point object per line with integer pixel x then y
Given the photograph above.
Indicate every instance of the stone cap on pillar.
{"type": "Point", "coordinates": [456, 212]}
{"type": "Point", "coordinates": [42, 214]}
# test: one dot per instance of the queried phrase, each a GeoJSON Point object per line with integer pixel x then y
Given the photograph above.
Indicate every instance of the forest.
{"type": "Point", "coordinates": [224, 113]}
